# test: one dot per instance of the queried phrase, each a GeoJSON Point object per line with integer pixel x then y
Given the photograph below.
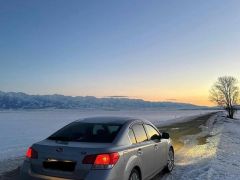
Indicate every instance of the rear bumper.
{"type": "Point", "coordinates": [27, 174]}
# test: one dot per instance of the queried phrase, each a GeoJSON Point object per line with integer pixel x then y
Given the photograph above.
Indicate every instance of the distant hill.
{"type": "Point", "coordinates": [19, 100]}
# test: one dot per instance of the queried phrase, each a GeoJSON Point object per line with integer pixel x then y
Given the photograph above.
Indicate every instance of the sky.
{"type": "Point", "coordinates": [157, 50]}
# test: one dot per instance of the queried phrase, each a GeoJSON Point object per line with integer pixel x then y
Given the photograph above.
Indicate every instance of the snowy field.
{"type": "Point", "coordinates": [19, 129]}
{"type": "Point", "coordinates": [217, 159]}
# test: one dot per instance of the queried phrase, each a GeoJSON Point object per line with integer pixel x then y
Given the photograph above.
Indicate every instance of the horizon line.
{"type": "Point", "coordinates": [169, 100]}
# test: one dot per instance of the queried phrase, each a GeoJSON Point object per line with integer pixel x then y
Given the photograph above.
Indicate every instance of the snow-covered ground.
{"type": "Point", "coordinates": [218, 159]}
{"type": "Point", "coordinates": [19, 129]}
{"type": "Point", "coordinates": [226, 163]}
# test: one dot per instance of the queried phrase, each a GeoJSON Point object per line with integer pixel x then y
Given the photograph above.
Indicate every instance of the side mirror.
{"type": "Point", "coordinates": [165, 135]}
{"type": "Point", "coordinates": [156, 137]}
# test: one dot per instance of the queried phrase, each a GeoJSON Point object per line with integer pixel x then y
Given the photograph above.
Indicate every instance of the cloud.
{"type": "Point", "coordinates": [117, 96]}
{"type": "Point", "coordinates": [171, 99]}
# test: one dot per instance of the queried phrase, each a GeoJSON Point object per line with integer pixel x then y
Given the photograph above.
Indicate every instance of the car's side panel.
{"type": "Point", "coordinates": [151, 162]}
{"type": "Point", "coordinates": [145, 150]}
{"type": "Point", "coordinates": [156, 157]}
{"type": "Point", "coordinates": [147, 158]}
{"type": "Point", "coordinates": [132, 161]}
{"type": "Point", "coordinates": [162, 153]}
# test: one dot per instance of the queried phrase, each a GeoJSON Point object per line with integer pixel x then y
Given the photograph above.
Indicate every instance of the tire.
{"type": "Point", "coordinates": [170, 164]}
{"type": "Point", "coordinates": [135, 175]}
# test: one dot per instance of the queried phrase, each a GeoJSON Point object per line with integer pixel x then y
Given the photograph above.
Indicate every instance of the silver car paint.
{"type": "Point", "coordinates": [150, 156]}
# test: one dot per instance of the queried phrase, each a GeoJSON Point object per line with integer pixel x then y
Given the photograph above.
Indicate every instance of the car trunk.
{"type": "Point", "coordinates": [64, 159]}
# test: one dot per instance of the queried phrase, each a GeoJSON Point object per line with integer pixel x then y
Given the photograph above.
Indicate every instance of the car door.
{"type": "Point", "coordinates": [144, 150]}
{"type": "Point", "coordinates": [158, 156]}
{"type": "Point", "coordinates": [164, 151]}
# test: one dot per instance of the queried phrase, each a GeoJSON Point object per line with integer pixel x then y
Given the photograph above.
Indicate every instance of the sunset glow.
{"type": "Point", "coordinates": [153, 51]}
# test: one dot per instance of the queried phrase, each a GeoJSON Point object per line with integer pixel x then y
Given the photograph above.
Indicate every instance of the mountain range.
{"type": "Point", "coordinates": [19, 100]}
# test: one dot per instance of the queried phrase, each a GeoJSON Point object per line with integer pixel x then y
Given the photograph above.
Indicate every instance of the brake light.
{"type": "Point", "coordinates": [106, 159]}
{"type": "Point", "coordinates": [31, 153]}
{"type": "Point", "coordinates": [102, 160]}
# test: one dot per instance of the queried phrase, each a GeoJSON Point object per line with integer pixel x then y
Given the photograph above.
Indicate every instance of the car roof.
{"type": "Point", "coordinates": [108, 119]}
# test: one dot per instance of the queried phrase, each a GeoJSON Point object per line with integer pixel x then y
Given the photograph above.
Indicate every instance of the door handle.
{"type": "Point", "coordinates": [156, 147]}
{"type": "Point", "coordinates": [139, 152]}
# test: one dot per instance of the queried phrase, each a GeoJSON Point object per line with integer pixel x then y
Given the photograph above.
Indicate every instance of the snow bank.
{"type": "Point", "coordinates": [226, 164]}
{"type": "Point", "coordinates": [218, 159]}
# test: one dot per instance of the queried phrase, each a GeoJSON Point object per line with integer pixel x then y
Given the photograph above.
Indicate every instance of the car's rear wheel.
{"type": "Point", "coordinates": [170, 163]}
{"type": "Point", "coordinates": [135, 175]}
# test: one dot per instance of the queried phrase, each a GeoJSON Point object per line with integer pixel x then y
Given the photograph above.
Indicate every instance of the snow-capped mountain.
{"type": "Point", "coordinates": [19, 100]}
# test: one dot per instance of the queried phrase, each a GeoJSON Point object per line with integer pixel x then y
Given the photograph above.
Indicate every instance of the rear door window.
{"type": "Point", "coordinates": [132, 136]}
{"type": "Point", "coordinates": [140, 133]}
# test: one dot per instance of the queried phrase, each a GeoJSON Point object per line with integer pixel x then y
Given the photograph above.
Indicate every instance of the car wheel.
{"type": "Point", "coordinates": [170, 163]}
{"type": "Point", "coordinates": [134, 175]}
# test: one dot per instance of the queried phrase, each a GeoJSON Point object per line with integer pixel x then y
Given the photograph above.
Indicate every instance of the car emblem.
{"type": "Point", "coordinates": [83, 153]}
{"type": "Point", "coordinates": [59, 149]}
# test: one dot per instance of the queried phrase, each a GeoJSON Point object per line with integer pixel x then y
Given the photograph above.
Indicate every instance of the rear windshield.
{"type": "Point", "coordinates": [87, 132]}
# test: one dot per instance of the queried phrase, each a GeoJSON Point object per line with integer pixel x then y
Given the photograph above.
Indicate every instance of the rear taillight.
{"type": "Point", "coordinates": [31, 153]}
{"type": "Point", "coordinates": [106, 159]}
{"type": "Point", "coordinates": [102, 161]}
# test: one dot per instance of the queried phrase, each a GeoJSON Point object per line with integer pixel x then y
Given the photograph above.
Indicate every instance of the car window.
{"type": "Point", "coordinates": [113, 129]}
{"type": "Point", "coordinates": [132, 136]}
{"type": "Point", "coordinates": [98, 128]}
{"type": "Point", "coordinates": [151, 131]}
{"type": "Point", "coordinates": [140, 133]}
{"type": "Point", "coordinates": [87, 132]}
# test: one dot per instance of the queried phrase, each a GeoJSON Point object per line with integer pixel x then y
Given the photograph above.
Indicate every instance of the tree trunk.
{"type": "Point", "coordinates": [228, 109]}
{"type": "Point", "coordinates": [231, 112]}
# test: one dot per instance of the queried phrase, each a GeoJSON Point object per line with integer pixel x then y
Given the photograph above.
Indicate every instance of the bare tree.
{"type": "Point", "coordinates": [225, 93]}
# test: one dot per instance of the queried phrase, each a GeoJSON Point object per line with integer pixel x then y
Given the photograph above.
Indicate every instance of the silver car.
{"type": "Point", "coordinates": [101, 148]}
